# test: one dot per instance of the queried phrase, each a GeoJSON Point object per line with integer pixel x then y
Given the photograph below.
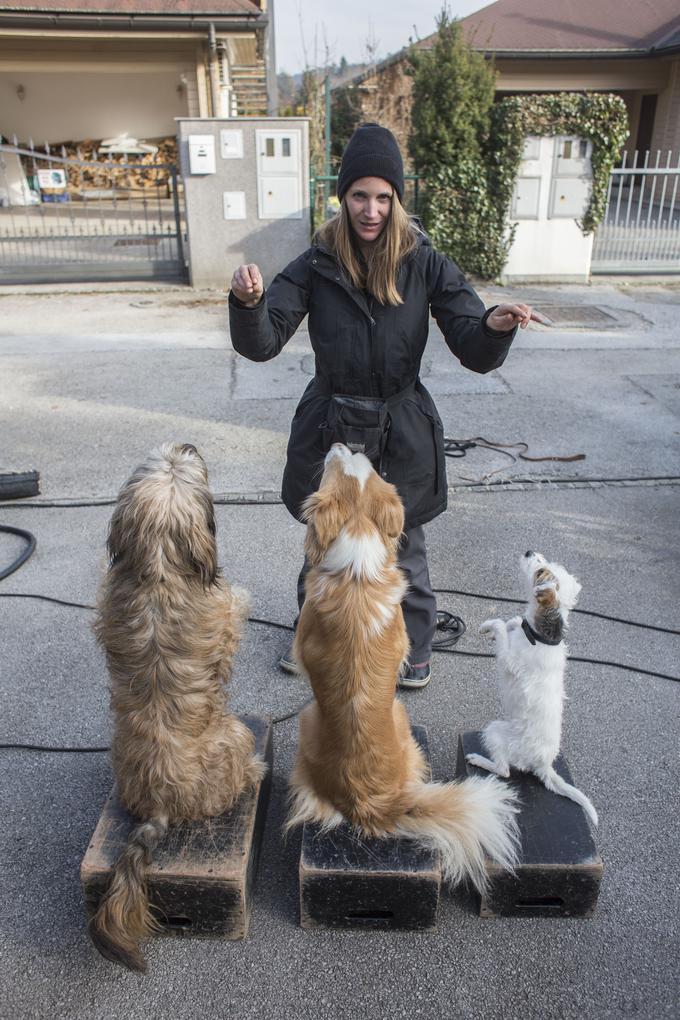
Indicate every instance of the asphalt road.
{"type": "Point", "coordinates": [89, 383]}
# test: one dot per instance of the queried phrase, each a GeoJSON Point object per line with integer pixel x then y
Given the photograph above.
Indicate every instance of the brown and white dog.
{"type": "Point", "coordinates": [169, 624]}
{"type": "Point", "coordinates": [357, 759]}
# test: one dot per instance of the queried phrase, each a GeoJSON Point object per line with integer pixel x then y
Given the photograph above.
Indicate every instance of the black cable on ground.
{"type": "Point", "coordinates": [44, 598]}
{"type": "Point", "coordinates": [270, 623]}
{"type": "Point", "coordinates": [572, 658]}
{"type": "Point", "coordinates": [274, 499]}
{"type": "Point", "coordinates": [24, 554]}
{"type": "Point", "coordinates": [452, 626]}
{"type": "Point", "coordinates": [583, 612]}
{"type": "Point", "coordinates": [54, 750]}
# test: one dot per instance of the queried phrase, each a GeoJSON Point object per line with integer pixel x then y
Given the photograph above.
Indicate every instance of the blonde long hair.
{"type": "Point", "coordinates": [378, 274]}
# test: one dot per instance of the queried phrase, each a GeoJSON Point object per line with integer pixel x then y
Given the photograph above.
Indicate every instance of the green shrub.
{"type": "Point", "coordinates": [462, 219]}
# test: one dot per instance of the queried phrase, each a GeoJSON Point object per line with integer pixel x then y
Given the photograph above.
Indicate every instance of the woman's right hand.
{"type": "Point", "coordinates": [247, 285]}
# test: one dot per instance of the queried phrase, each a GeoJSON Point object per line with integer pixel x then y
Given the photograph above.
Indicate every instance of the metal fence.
{"type": "Point", "coordinates": [640, 231]}
{"type": "Point", "coordinates": [79, 219]}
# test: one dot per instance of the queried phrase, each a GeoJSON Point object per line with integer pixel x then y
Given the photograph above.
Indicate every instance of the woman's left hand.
{"type": "Point", "coordinates": [506, 317]}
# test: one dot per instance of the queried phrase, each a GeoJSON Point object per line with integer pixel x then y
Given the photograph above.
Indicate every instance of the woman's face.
{"type": "Point", "coordinates": [369, 203]}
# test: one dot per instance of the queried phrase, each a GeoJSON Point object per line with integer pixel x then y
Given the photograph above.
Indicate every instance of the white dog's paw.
{"type": "Point", "coordinates": [514, 623]}
{"type": "Point", "coordinates": [488, 765]}
{"type": "Point", "coordinates": [545, 586]}
{"type": "Point", "coordinates": [490, 627]}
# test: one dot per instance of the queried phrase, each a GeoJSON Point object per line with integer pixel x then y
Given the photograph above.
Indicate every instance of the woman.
{"type": "Point", "coordinates": [368, 284]}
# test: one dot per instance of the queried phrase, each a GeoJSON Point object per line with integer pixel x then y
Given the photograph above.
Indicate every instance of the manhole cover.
{"type": "Point", "coordinates": [578, 315]}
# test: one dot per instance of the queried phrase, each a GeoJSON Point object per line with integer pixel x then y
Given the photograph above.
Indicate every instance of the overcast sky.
{"type": "Point", "coordinates": [348, 24]}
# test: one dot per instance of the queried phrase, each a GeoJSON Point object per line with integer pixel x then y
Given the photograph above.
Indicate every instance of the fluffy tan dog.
{"type": "Point", "coordinates": [169, 625]}
{"type": "Point", "coordinates": [357, 758]}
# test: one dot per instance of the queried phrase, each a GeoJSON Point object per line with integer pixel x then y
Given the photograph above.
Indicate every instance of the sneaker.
{"type": "Point", "coordinates": [287, 662]}
{"type": "Point", "coordinates": [415, 676]}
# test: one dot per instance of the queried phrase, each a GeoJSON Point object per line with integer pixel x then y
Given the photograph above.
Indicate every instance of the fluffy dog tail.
{"type": "Point", "coordinates": [465, 822]}
{"type": "Point", "coordinates": [556, 784]}
{"type": "Point", "coordinates": [124, 917]}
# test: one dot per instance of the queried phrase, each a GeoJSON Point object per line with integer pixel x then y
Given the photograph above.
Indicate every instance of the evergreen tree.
{"type": "Point", "coordinates": [345, 115]}
{"type": "Point", "coordinates": [453, 91]}
{"type": "Point", "coordinates": [453, 94]}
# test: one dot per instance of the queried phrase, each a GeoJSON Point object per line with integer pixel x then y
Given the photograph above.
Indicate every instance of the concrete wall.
{"type": "Point", "coordinates": [218, 245]}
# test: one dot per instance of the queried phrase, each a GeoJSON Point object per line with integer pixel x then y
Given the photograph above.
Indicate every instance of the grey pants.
{"type": "Point", "coordinates": [419, 605]}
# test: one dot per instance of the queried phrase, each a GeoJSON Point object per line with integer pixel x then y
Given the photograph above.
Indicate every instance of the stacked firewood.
{"type": "Point", "coordinates": [122, 172]}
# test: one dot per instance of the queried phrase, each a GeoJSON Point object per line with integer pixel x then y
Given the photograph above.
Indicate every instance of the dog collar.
{"type": "Point", "coordinates": [533, 636]}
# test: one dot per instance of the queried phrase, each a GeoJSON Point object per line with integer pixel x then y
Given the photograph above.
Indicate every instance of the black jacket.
{"type": "Point", "coordinates": [364, 348]}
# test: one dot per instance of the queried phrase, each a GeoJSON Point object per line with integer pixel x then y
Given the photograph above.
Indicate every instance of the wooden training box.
{"type": "Point", "coordinates": [201, 877]}
{"type": "Point", "coordinates": [351, 882]}
{"type": "Point", "coordinates": [559, 870]}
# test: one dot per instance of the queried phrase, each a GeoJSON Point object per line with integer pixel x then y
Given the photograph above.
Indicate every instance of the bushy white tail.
{"type": "Point", "coordinates": [554, 782]}
{"type": "Point", "coordinates": [465, 822]}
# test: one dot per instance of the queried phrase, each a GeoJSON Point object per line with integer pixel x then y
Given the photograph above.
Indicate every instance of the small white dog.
{"type": "Point", "coordinates": [530, 661]}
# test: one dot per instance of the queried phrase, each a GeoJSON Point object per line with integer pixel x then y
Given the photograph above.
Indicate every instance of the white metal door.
{"type": "Point", "coordinates": [279, 177]}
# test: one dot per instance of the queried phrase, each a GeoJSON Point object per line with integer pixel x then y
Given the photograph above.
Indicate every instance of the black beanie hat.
{"type": "Point", "coordinates": [372, 151]}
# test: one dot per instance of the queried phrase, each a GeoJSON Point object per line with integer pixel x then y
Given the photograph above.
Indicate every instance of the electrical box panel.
{"type": "Point", "coordinates": [532, 148]}
{"type": "Point", "coordinates": [231, 144]}
{"type": "Point", "coordinates": [279, 198]}
{"type": "Point", "coordinates": [569, 197]}
{"type": "Point", "coordinates": [279, 174]}
{"type": "Point", "coordinates": [525, 198]}
{"type": "Point", "coordinates": [278, 152]}
{"type": "Point", "coordinates": [572, 156]}
{"type": "Point", "coordinates": [201, 154]}
{"type": "Point", "coordinates": [234, 205]}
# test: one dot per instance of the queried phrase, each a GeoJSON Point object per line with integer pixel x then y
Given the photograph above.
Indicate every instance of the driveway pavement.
{"type": "Point", "coordinates": [89, 382]}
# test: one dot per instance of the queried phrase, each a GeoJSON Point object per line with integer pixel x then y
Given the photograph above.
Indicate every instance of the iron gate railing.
{"type": "Point", "coordinates": [77, 219]}
{"type": "Point", "coordinates": [640, 231]}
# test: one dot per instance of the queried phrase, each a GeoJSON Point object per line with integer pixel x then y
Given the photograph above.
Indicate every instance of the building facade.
{"type": "Point", "coordinates": [541, 46]}
{"type": "Point", "coordinates": [72, 70]}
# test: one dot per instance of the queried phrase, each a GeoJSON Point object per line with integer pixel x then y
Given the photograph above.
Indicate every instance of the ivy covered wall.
{"type": "Point", "coordinates": [467, 203]}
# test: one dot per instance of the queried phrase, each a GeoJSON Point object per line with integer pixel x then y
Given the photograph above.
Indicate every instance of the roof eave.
{"type": "Point", "coordinates": [609, 54]}
{"type": "Point", "coordinates": [159, 22]}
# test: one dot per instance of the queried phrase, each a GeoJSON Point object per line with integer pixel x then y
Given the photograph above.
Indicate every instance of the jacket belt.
{"type": "Point", "coordinates": [324, 388]}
